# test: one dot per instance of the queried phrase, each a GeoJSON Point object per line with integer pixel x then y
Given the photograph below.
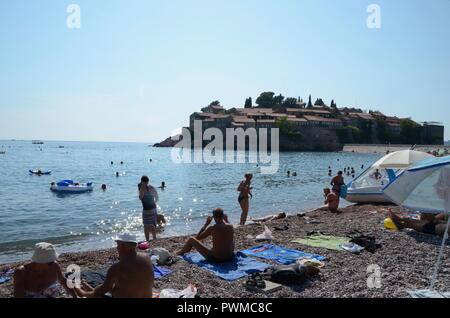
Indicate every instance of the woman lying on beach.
{"type": "Point", "coordinates": [222, 234]}
{"type": "Point", "coordinates": [244, 196]}
{"type": "Point", "coordinates": [39, 279]}
{"type": "Point", "coordinates": [428, 223]}
{"type": "Point", "coordinates": [269, 218]}
{"type": "Point", "coordinates": [148, 197]}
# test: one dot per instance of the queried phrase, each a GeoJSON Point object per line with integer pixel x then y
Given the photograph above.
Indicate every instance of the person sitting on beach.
{"type": "Point", "coordinates": [39, 279]}
{"type": "Point", "coordinates": [428, 223]}
{"type": "Point", "coordinates": [269, 218]}
{"type": "Point", "coordinates": [332, 200]}
{"type": "Point", "coordinates": [222, 234]}
{"type": "Point", "coordinates": [337, 182]}
{"type": "Point", "coordinates": [131, 277]}
{"type": "Point", "coordinates": [148, 196]}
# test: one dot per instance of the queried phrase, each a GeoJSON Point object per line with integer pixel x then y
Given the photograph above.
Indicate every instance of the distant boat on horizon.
{"type": "Point", "coordinates": [37, 142]}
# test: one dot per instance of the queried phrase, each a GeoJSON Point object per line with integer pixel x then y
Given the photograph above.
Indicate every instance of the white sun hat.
{"type": "Point", "coordinates": [44, 253]}
{"type": "Point", "coordinates": [127, 238]}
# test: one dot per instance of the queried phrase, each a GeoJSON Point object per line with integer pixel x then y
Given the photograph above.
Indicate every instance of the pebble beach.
{"type": "Point", "coordinates": [406, 259]}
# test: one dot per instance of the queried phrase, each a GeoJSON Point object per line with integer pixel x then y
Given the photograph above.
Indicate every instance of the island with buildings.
{"type": "Point", "coordinates": [308, 126]}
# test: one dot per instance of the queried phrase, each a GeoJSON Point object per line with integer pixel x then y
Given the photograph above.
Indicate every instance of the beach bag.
{"type": "Point", "coordinates": [287, 275]}
{"type": "Point", "coordinates": [265, 236]}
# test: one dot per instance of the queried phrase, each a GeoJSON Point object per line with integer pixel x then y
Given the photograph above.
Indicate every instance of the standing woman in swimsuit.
{"type": "Point", "coordinates": [148, 197]}
{"type": "Point", "coordinates": [244, 196]}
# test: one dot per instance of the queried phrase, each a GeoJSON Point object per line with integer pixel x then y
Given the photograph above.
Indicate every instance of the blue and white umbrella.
{"type": "Point", "coordinates": [425, 187]}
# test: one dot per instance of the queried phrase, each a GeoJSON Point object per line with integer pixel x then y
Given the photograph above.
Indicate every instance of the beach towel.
{"type": "Point", "coordinates": [240, 267]}
{"type": "Point", "coordinates": [280, 254]}
{"type": "Point", "coordinates": [160, 271]}
{"type": "Point", "coordinates": [425, 293]}
{"type": "Point", "coordinates": [96, 278]}
{"type": "Point", "coordinates": [326, 241]}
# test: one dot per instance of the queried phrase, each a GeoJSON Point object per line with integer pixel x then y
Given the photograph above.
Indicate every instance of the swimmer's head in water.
{"type": "Point", "coordinates": [103, 186]}
{"type": "Point", "coordinates": [218, 214]}
{"type": "Point", "coordinates": [163, 184]}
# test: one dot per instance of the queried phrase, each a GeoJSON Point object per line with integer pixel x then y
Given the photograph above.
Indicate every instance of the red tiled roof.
{"type": "Point", "coordinates": [321, 119]}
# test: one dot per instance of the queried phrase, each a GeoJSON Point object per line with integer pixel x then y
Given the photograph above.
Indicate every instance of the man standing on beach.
{"type": "Point", "coordinates": [131, 277]}
{"type": "Point", "coordinates": [222, 236]}
{"type": "Point", "coordinates": [148, 196]}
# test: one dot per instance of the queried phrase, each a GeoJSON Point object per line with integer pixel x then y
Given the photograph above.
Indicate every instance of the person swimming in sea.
{"type": "Point", "coordinates": [104, 187]}
{"type": "Point", "coordinates": [294, 174]}
{"type": "Point", "coordinates": [244, 196]}
{"type": "Point", "coordinates": [117, 174]}
{"type": "Point", "coordinates": [288, 173]}
{"type": "Point", "coordinates": [162, 186]}
{"type": "Point", "coordinates": [112, 163]}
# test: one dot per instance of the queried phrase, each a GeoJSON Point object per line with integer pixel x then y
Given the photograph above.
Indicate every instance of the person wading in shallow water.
{"type": "Point", "coordinates": [148, 197]}
{"type": "Point", "coordinates": [337, 182]}
{"type": "Point", "coordinates": [244, 196]}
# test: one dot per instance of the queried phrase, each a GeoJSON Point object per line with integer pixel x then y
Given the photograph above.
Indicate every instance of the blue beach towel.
{"type": "Point", "coordinates": [160, 271]}
{"type": "Point", "coordinates": [280, 254]}
{"type": "Point", "coordinates": [240, 267]}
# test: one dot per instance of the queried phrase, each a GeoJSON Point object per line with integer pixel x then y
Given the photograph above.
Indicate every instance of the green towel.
{"type": "Point", "coordinates": [325, 241]}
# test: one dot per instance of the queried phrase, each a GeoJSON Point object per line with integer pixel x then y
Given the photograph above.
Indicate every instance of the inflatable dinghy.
{"type": "Point", "coordinates": [68, 186]}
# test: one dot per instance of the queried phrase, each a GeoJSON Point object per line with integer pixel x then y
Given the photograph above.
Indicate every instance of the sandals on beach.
{"type": "Point", "coordinates": [255, 280]}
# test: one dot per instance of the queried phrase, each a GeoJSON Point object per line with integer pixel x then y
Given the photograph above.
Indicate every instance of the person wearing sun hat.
{"type": "Point", "coordinates": [131, 277]}
{"type": "Point", "coordinates": [39, 278]}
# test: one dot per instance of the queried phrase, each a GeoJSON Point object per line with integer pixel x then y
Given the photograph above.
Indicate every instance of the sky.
{"type": "Point", "coordinates": [135, 70]}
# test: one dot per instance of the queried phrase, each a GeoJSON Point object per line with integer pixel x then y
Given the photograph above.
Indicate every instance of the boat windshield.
{"type": "Point", "coordinates": [375, 177]}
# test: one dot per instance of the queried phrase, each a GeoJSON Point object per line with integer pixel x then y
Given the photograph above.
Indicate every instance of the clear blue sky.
{"type": "Point", "coordinates": [137, 69]}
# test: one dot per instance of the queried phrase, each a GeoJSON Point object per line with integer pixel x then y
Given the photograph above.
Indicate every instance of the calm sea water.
{"type": "Point", "coordinates": [30, 212]}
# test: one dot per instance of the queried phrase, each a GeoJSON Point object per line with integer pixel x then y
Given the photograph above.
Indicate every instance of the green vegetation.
{"type": "Point", "coordinates": [268, 99]}
{"type": "Point", "coordinates": [411, 132]}
{"type": "Point", "coordinates": [248, 103]}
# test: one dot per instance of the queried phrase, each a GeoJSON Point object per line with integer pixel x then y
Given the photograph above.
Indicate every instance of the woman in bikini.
{"type": "Point", "coordinates": [244, 195]}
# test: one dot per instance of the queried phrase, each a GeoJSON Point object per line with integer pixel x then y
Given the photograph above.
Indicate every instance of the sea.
{"type": "Point", "coordinates": [31, 213]}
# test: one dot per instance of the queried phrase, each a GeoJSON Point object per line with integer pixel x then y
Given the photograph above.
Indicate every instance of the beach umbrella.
{"type": "Point", "coordinates": [425, 187]}
{"type": "Point", "coordinates": [401, 159]}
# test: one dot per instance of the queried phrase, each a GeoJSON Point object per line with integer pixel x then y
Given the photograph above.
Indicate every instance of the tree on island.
{"type": "Point", "coordinates": [248, 103]}
{"type": "Point", "coordinates": [319, 102]}
{"type": "Point", "coordinates": [268, 99]}
{"type": "Point", "coordinates": [215, 103]}
{"type": "Point", "coordinates": [290, 102]}
{"type": "Point", "coordinates": [310, 105]}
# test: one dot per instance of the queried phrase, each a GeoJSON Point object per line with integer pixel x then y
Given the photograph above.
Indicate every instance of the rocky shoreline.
{"type": "Point", "coordinates": [406, 259]}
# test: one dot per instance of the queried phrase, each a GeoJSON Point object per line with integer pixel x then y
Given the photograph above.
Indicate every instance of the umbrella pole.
{"type": "Point", "coordinates": [441, 252]}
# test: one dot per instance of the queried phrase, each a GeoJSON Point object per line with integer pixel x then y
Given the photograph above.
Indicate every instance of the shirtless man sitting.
{"type": "Point", "coordinates": [131, 277]}
{"type": "Point", "coordinates": [222, 234]}
{"type": "Point", "coordinates": [332, 200]}
{"type": "Point", "coordinates": [39, 278]}
{"type": "Point", "coordinates": [428, 223]}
